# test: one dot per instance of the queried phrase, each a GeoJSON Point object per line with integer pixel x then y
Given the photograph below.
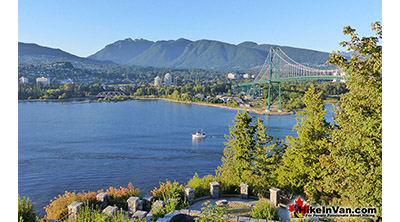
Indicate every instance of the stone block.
{"type": "Point", "coordinates": [73, 210]}
{"type": "Point", "coordinates": [221, 202]}
{"type": "Point", "coordinates": [140, 214]}
{"type": "Point", "coordinates": [274, 196]}
{"type": "Point", "coordinates": [244, 190]}
{"type": "Point", "coordinates": [158, 204]}
{"type": "Point", "coordinates": [133, 204]}
{"type": "Point", "coordinates": [149, 216]}
{"type": "Point", "coordinates": [102, 199]}
{"type": "Point", "coordinates": [214, 190]}
{"type": "Point", "coordinates": [189, 195]}
{"type": "Point", "coordinates": [110, 210]}
{"type": "Point", "coordinates": [147, 202]}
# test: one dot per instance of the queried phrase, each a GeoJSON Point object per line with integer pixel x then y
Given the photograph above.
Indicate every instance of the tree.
{"type": "Point", "coordinates": [354, 166]}
{"type": "Point", "coordinates": [239, 148]}
{"type": "Point", "coordinates": [247, 158]}
{"type": "Point", "coordinates": [300, 171]}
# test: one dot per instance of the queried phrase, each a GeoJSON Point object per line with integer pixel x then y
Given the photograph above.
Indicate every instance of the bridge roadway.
{"type": "Point", "coordinates": [296, 78]}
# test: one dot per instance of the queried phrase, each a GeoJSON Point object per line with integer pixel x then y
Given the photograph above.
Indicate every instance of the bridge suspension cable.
{"type": "Point", "coordinates": [279, 67]}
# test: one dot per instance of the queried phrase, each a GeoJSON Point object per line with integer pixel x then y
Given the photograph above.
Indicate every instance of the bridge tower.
{"type": "Point", "coordinates": [274, 79]}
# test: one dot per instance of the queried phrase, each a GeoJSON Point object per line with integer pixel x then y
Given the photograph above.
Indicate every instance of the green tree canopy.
{"type": "Point", "coordinates": [300, 171]}
{"type": "Point", "coordinates": [354, 166]}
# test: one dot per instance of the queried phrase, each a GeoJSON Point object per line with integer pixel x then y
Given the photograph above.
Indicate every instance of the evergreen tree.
{"type": "Point", "coordinates": [239, 149]}
{"type": "Point", "coordinates": [247, 158]}
{"type": "Point", "coordinates": [354, 167]}
{"type": "Point", "coordinates": [266, 159]}
{"type": "Point", "coordinates": [300, 171]}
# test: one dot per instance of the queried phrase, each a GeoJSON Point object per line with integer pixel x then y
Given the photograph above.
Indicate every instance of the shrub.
{"type": "Point", "coordinates": [26, 211]}
{"type": "Point", "coordinates": [173, 196]}
{"type": "Point", "coordinates": [58, 207]}
{"type": "Point", "coordinates": [265, 210]}
{"type": "Point", "coordinates": [89, 214]}
{"type": "Point", "coordinates": [212, 213]}
{"type": "Point", "coordinates": [119, 196]}
{"type": "Point", "coordinates": [169, 207]}
{"type": "Point", "coordinates": [168, 191]}
{"type": "Point", "coordinates": [201, 185]}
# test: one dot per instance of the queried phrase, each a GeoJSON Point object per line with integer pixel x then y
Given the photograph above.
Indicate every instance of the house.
{"type": "Point", "coordinates": [23, 80]}
{"type": "Point", "coordinates": [43, 80]}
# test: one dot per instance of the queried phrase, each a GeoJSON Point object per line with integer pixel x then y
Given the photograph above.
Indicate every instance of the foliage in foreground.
{"type": "Point", "coordinates": [211, 213]}
{"type": "Point", "coordinates": [353, 170]}
{"type": "Point", "coordinates": [300, 170]}
{"type": "Point", "coordinates": [173, 196]}
{"type": "Point", "coordinates": [265, 210]}
{"type": "Point", "coordinates": [89, 214]}
{"type": "Point", "coordinates": [58, 207]}
{"type": "Point", "coordinates": [26, 211]}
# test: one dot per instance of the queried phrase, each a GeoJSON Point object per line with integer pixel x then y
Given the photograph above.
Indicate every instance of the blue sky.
{"type": "Point", "coordinates": [84, 27]}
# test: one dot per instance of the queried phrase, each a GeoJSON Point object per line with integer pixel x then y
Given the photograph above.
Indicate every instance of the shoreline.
{"type": "Point", "coordinates": [249, 109]}
{"type": "Point", "coordinates": [260, 110]}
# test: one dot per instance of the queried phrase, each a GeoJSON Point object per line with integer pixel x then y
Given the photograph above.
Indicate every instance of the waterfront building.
{"type": "Point", "coordinates": [168, 79]}
{"type": "Point", "coordinates": [23, 80]}
{"type": "Point", "coordinates": [43, 80]}
{"type": "Point", "coordinates": [233, 76]}
{"type": "Point", "coordinates": [248, 76]}
{"type": "Point", "coordinates": [157, 81]}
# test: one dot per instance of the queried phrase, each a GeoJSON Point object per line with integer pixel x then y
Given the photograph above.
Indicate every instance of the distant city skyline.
{"type": "Point", "coordinates": [84, 27]}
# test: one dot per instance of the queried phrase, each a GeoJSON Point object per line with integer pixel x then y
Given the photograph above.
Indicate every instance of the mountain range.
{"type": "Point", "coordinates": [34, 54]}
{"type": "Point", "coordinates": [180, 53]}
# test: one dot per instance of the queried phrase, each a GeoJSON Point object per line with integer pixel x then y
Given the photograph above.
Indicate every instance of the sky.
{"type": "Point", "coordinates": [84, 27]}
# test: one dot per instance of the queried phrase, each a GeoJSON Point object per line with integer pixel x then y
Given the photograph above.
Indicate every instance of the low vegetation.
{"type": "Point", "coordinates": [58, 207]}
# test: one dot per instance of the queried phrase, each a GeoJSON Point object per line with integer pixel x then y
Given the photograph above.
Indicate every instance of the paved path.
{"type": "Point", "coordinates": [198, 205]}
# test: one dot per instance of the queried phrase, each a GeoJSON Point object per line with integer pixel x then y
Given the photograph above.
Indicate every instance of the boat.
{"type": "Point", "coordinates": [199, 135]}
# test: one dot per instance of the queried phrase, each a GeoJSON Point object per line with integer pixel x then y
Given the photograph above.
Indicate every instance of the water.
{"type": "Point", "coordinates": [92, 146]}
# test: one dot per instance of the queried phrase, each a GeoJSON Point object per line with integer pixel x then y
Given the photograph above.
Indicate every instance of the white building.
{"type": "Point", "coordinates": [157, 81]}
{"type": "Point", "coordinates": [23, 80]}
{"type": "Point", "coordinates": [43, 80]}
{"type": "Point", "coordinates": [168, 79]}
{"type": "Point", "coordinates": [233, 76]}
{"type": "Point", "coordinates": [248, 76]}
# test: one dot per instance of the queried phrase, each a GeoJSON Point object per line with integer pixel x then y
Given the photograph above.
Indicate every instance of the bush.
{"type": "Point", "coordinates": [168, 191]}
{"type": "Point", "coordinates": [26, 211]}
{"type": "Point", "coordinates": [212, 213]}
{"type": "Point", "coordinates": [201, 185]}
{"type": "Point", "coordinates": [119, 196]}
{"type": "Point", "coordinates": [265, 210]}
{"type": "Point", "coordinates": [173, 196]}
{"type": "Point", "coordinates": [169, 207]}
{"type": "Point", "coordinates": [89, 214]}
{"type": "Point", "coordinates": [58, 208]}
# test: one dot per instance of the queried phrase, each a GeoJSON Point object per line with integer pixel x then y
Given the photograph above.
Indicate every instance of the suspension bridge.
{"type": "Point", "coordinates": [279, 67]}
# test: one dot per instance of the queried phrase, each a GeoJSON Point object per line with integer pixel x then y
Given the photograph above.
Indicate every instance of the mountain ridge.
{"type": "Point", "coordinates": [180, 53]}
{"type": "Point", "coordinates": [34, 54]}
{"type": "Point", "coordinates": [203, 53]}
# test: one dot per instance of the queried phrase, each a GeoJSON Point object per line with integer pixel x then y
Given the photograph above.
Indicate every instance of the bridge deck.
{"type": "Point", "coordinates": [296, 78]}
